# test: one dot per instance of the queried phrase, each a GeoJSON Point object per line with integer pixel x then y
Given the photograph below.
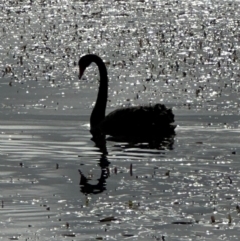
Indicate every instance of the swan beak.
{"type": "Point", "coordinates": [80, 73]}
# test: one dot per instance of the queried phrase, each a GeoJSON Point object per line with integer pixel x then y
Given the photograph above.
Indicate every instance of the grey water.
{"type": "Point", "coordinates": [57, 184]}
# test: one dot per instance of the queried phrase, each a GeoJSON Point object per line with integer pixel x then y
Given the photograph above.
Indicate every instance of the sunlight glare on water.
{"type": "Point", "coordinates": [57, 184]}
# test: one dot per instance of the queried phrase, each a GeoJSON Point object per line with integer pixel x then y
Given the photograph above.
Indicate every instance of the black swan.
{"type": "Point", "coordinates": [130, 122]}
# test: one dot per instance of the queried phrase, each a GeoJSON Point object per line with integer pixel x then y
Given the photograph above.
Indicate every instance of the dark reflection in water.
{"type": "Point", "coordinates": [160, 143]}
{"type": "Point", "coordinates": [88, 188]}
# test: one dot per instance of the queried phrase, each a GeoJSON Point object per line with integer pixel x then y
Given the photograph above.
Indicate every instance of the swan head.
{"type": "Point", "coordinates": [83, 63]}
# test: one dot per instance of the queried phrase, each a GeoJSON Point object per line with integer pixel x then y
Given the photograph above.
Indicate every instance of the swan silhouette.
{"type": "Point", "coordinates": [131, 122]}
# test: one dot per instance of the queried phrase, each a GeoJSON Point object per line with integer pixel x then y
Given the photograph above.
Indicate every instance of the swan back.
{"type": "Point", "coordinates": [139, 121]}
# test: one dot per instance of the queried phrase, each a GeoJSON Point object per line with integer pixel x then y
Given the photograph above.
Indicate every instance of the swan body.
{"type": "Point", "coordinates": [143, 121]}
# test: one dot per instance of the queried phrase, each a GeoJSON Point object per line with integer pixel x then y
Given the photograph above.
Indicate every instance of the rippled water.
{"type": "Point", "coordinates": [56, 184]}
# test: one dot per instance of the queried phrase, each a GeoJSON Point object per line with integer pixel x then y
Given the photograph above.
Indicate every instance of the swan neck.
{"type": "Point", "coordinates": [98, 113]}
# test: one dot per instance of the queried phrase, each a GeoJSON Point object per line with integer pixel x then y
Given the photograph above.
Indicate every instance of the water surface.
{"type": "Point", "coordinates": [57, 184]}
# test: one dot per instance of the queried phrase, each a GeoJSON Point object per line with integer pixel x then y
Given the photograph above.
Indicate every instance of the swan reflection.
{"type": "Point", "coordinates": [154, 147]}
{"type": "Point", "coordinates": [88, 188]}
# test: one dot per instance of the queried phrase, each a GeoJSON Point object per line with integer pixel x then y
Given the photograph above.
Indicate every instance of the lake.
{"type": "Point", "coordinates": [56, 183]}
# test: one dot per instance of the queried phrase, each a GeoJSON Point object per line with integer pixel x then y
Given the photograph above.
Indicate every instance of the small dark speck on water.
{"type": "Point", "coordinates": [108, 219]}
{"type": "Point", "coordinates": [70, 235]}
{"type": "Point", "coordinates": [230, 180]}
{"type": "Point", "coordinates": [238, 208]}
{"type": "Point", "coordinates": [167, 173]}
